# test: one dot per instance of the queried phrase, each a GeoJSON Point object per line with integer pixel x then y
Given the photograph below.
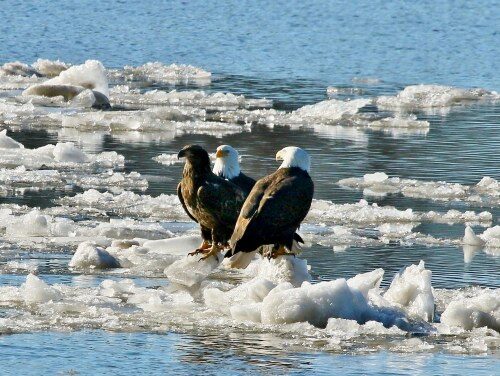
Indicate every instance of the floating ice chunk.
{"type": "Point", "coordinates": [30, 266]}
{"type": "Point", "coordinates": [325, 211]}
{"type": "Point", "coordinates": [129, 204]}
{"type": "Point", "coordinates": [68, 152]}
{"type": "Point", "coordinates": [190, 270]}
{"type": "Point", "coordinates": [315, 304]}
{"type": "Point", "coordinates": [167, 159]}
{"type": "Point", "coordinates": [16, 68]}
{"type": "Point", "coordinates": [115, 181]}
{"type": "Point", "coordinates": [34, 290]}
{"type": "Point", "coordinates": [332, 91]}
{"type": "Point", "coordinates": [237, 300]}
{"type": "Point", "coordinates": [75, 80]}
{"type": "Point", "coordinates": [330, 111]}
{"type": "Point", "coordinates": [376, 177]}
{"type": "Point", "coordinates": [31, 224]}
{"type": "Point", "coordinates": [487, 191]}
{"type": "Point", "coordinates": [240, 260]}
{"type": "Point", "coordinates": [90, 75]}
{"type": "Point", "coordinates": [89, 255]}
{"type": "Point", "coordinates": [128, 229]}
{"type": "Point", "coordinates": [412, 290]}
{"type": "Point", "coordinates": [50, 68]}
{"type": "Point", "coordinates": [21, 178]}
{"type": "Point", "coordinates": [181, 245]}
{"type": "Point", "coordinates": [366, 80]}
{"type": "Point", "coordinates": [117, 289]}
{"type": "Point", "coordinates": [474, 312]}
{"type": "Point", "coordinates": [399, 121]}
{"type": "Point", "coordinates": [470, 238]}
{"type": "Point", "coordinates": [174, 73]}
{"type": "Point", "coordinates": [281, 269]}
{"type": "Point", "coordinates": [9, 143]}
{"type": "Point", "coordinates": [366, 281]}
{"type": "Point", "coordinates": [426, 96]}
{"type": "Point", "coordinates": [492, 237]}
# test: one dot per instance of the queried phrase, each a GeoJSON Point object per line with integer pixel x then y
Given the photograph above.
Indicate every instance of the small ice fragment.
{"type": "Point", "coordinates": [181, 245]}
{"type": "Point", "coordinates": [34, 290]}
{"type": "Point", "coordinates": [281, 269]}
{"type": "Point", "coordinates": [470, 238]}
{"type": "Point", "coordinates": [478, 311]}
{"type": "Point", "coordinates": [68, 152]}
{"type": "Point", "coordinates": [7, 142]}
{"type": "Point", "coordinates": [411, 289]}
{"type": "Point", "coordinates": [89, 255]}
{"type": "Point", "coordinates": [191, 270]}
{"type": "Point", "coordinates": [376, 177]}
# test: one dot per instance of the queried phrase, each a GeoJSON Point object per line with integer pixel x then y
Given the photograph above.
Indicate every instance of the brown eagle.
{"type": "Point", "coordinates": [276, 206]}
{"type": "Point", "coordinates": [208, 199]}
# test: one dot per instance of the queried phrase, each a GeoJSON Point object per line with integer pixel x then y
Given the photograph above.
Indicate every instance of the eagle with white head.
{"type": "Point", "coordinates": [276, 206]}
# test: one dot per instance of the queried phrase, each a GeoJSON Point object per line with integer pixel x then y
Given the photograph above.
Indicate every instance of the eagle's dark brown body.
{"type": "Point", "coordinates": [273, 210]}
{"type": "Point", "coordinates": [210, 200]}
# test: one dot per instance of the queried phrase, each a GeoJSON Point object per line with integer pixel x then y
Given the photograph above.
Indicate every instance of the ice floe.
{"type": "Point", "coordinates": [429, 96]}
{"type": "Point", "coordinates": [76, 81]}
{"type": "Point", "coordinates": [89, 255]}
{"type": "Point", "coordinates": [123, 95]}
{"type": "Point", "coordinates": [482, 310]}
{"type": "Point", "coordinates": [486, 192]}
{"type": "Point", "coordinates": [60, 156]}
{"type": "Point", "coordinates": [157, 72]}
{"type": "Point", "coordinates": [50, 68]}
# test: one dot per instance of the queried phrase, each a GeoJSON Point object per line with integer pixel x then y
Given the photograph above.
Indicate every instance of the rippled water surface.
{"type": "Point", "coordinates": [288, 52]}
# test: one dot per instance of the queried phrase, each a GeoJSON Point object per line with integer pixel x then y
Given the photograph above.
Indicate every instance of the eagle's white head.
{"type": "Point", "coordinates": [293, 156]}
{"type": "Point", "coordinates": [226, 164]}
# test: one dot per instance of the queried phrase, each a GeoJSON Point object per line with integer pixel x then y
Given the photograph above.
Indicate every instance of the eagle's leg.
{"type": "Point", "coordinates": [281, 250]}
{"type": "Point", "coordinates": [203, 248]}
{"type": "Point", "coordinates": [217, 246]}
{"type": "Point", "coordinates": [214, 251]}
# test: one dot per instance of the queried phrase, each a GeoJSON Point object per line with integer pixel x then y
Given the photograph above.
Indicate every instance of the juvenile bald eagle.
{"type": "Point", "coordinates": [227, 166]}
{"type": "Point", "coordinates": [276, 206]}
{"type": "Point", "coordinates": [208, 199]}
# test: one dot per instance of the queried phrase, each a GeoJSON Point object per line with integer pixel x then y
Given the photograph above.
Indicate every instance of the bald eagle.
{"type": "Point", "coordinates": [276, 206]}
{"type": "Point", "coordinates": [227, 166]}
{"type": "Point", "coordinates": [208, 199]}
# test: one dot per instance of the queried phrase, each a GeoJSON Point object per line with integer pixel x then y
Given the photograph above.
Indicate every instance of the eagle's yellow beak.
{"type": "Point", "coordinates": [220, 153]}
{"type": "Point", "coordinates": [279, 156]}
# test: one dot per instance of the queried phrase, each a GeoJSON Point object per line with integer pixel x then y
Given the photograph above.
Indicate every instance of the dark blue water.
{"type": "Point", "coordinates": [447, 42]}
